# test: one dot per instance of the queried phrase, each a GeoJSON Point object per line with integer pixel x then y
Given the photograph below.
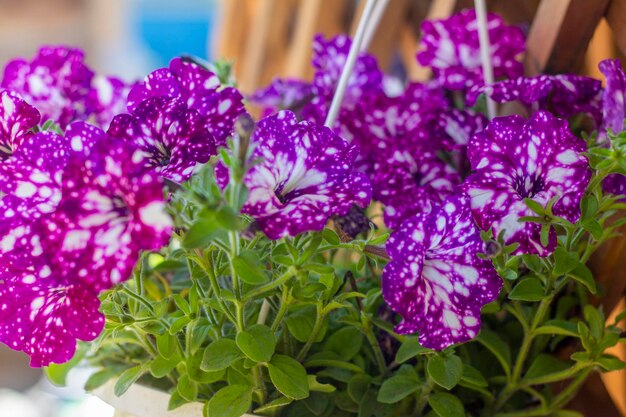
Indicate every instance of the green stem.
{"type": "Point", "coordinates": [371, 338]}
{"type": "Point", "coordinates": [568, 393]}
{"type": "Point", "coordinates": [319, 321]}
{"type": "Point", "coordinates": [422, 398]}
{"type": "Point", "coordinates": [284, 303]}
{"type": "Point", "coordinates": [286, 276]}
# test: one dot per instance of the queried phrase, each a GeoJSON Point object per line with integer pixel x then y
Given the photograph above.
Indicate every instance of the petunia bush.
{"type": "Point", "coordinates": [414, 258]}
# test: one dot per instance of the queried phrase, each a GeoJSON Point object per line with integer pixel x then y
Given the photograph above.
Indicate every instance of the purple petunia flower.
{"type": "Point", "coordinates": [564, 95]}
{"type": "Point", "coordinates": [107, 99]}
{"type": "Point", "coordinates": [283, 94]}
{"type": "Point", "coordinates": [452, 49]}
{"type": "Point", "coordinates": [56, 82]}
{"type": "Point", "coordinates": [199, 88]}
{"type": "Point", "coordinates": [435, 279]}
{"type": "Point", "coordinates": [173, 136]}
{"type": "Point", "coordinates": [515, 159]}
{"type": "Point", "coordinates": [17, 118]}
{"type": "Point", "coordinates": [305, 176]}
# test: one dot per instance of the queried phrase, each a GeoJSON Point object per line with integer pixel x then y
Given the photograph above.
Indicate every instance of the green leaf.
{"type": "Point", "coordinates": [187, 388]}
{"type": "Point", "coordinates": [300, 323]}
{"type": "Point", "coordinates": [57, 373]}
{"type": "Point", "coordinates": [100, 378]}
{"type": "Point", "coordinates": [409, 349]}
{"type": "Point", "coordinates": [528, 289]}
{"type": "Point", "coordinates": [274, 405]}
{"type": "Point", "coordinates": [583, 275]}
{"type": "Point", "coordinates": [331, 237]}
{"type": "Point", "coordinates": [248, 268]}
{"type": "Point", "coordinates": [558, 327]}
{"type": "Point", "coordinates": [315, 385]}
{"type": "Point", "coordinates": [358, 386]}
{"type": "Point", "coordinates": [128, 378]}
{"type": "Point", "coordinates": [446, 405]}
{"type": "Point", "coordinates": [345, 342]}
{"type": "Point", "coordinates": [289, 377]}
{"type": "Point", "coordinates": [445, 371]}
{"type": "Point", "coordinates": [473, 376]}
{"type": "Point", "coordinates": [161, 366]}
{"type": "Point", "coordinates": [167, 345]}
{"type": "Point", "coordinates": [567, 413]}
{"type": "Point", "coordinates": [545, 234]}
{"type": "Point", "coordinates": [220, 355]}
{"type": "Point", "coordinates": [201, 233]}
{"type": "Point", "coordinates": [564, 261]}
{"type": "Point", "coordinates": [535, 207]}
{"type": "Point", "coordinates": [176, 401]}
{"type": "Point", "coordinates": [397, 388]}
{"type": "Point", "coordinates": [257, 343]}
{"type": "Point", "coordinates": [497, 346]}
{"type": "Point", "coordinates": [610, 363]}
{"type": "Point", "coordinates": [544, 365]}
{"type": "Point", "coordinates": [230, 401]}
{"type": "Point", "coordinates": [593, 227]}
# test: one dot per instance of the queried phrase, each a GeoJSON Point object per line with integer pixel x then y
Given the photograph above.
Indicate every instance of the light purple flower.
{"type": "Point", "coordinates": [564, 95]}
{"type": "Point", "coordinates": [283, 94]}
{"type": "Point", "coordinates": [56, 82]}
{"type": "Point", "coordinates": [435, 279]}
{"type": "Point", "coordinates": [306, 175]}
{"type": "Point", "coordinates": [17, 118]}
{"type": "Point", "coordinates": [199, 88]}
{"type": "Point", "coordinates": [452, 49]}
{"type": "Point", "coordinates": [515, 159]}
{"type": "Point", "coordinates": [173, 137]}
{"type": "Point", "coordinates": [107, 99]}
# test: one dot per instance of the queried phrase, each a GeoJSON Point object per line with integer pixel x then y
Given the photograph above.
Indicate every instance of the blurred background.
{"type": "Point", "coordinates": [264, 39]}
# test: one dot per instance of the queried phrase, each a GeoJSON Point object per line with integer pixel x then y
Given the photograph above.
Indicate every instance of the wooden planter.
{"type": "Point", "coordinates": [141, 401]}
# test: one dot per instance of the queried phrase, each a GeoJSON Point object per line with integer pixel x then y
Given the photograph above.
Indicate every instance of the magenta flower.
{"type": "Point", "coordinates": [200, 89]}
{"type": "Point", "coordinates": [56, 82]}
{"type": "Point", "coordinates": [43, 315]}
{"type": "Point", "coordinates": [107, 99]}
{"type": "Point", "coordinates": [55, 265]}
{"type": "Point", "coordinates": [17, 118]}
{"type": "Point", "coordinates": [515, 159]}
{"type": "Point", "coordinates": [451, 48]}
{"type": "Point", "coordinates": [435, 279]}
{"type": "Point", "coordinates": [305, 176]}
{"type": "Point", "coordinates": [173, 137]}
{"type": "Point", "coordinates": [564, 95]}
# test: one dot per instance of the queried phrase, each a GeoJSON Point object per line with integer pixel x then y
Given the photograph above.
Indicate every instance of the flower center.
{"type": "Point", "coordinates": [278, 191]}
{"type": "Point", "coordinates": [5, 151]}
{"type": "Point", "coordinates": [528, 187]}
{"type": "Point", "coordinates": [162, 156]}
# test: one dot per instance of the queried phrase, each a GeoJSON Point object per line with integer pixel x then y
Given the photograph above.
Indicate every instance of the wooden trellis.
{"type": "Point", "coordinates": [270, 38]}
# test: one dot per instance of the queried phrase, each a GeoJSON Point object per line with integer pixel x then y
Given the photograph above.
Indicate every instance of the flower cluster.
{"type": "Point", "coordinates": [78, 208]}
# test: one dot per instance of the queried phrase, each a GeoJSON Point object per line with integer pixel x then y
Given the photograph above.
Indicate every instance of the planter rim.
{"type": "Point", "coordinates": [142, 401]}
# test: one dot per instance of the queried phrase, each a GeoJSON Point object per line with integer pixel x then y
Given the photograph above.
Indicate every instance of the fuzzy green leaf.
{"type": "Point", "coordinates": [528, 289]}
{"type": "Point", "coordinates": [257, 343]}
{"type": "Point", "coordinates": [230, 401]}
{"type": "Point", "coordinates": [289, 377]}
{"type": "Point", "coordinates": [446, 405]}
{"type": "Point", "coordinates": [445, 371]}
{"type": "Point", "coordinates": [220, 355]}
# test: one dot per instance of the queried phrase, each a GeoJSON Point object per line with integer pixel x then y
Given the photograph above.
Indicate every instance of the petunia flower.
{"type": "Point", "coordinates": [17, 118]}
{"type": "Point", "coordinates": [283, 94]}
{"type": "Point", "coordinates": [436, 280]}
{"type": "Point", "coordinates": [408, 183]}
{"type": "Point", "coordinates": [173, 136]}
{"type": "Point", "coordinates": [107, 99]}
{"type": "Point", "coordinates": [199, 88]}
{"type": "Point", "coordinates": [564, 95]}
{"type": "Point", "coordinates": [452, 49]}
{"type": "Point", "coordinates": [514, 159]}
{"type": "Point", "coordinates": [306, 175]}
{"type": "Point", "coordinates": [613, 115]}
{"type": "Point", "coordinates": [56, 82]}
{"type": "Point", "coordinates": [44, 316]}
{"type": "Point", "coordinates": [54, 266]}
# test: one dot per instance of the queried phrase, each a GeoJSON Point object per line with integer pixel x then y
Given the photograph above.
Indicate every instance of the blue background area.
{"type": "Point", "coordinates": [169, 28]}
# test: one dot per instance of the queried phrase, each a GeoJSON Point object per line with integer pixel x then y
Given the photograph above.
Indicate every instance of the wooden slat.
{"type": "Point", "coordinates": [386, 38]}
{"type": "Point", "coordinates": [560, 33]}
{"type": "Point", "coordinates": [616, 17]}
